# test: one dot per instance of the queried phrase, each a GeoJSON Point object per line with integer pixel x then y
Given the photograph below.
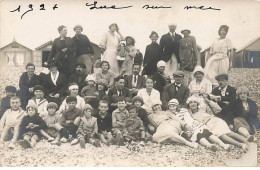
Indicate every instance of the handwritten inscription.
{"type": "Point", "coordinates": [155, 7]}
{"type": "Point", "coordinates": [201, 8]}
{"type": "Point", "coordinates": [95, 6]}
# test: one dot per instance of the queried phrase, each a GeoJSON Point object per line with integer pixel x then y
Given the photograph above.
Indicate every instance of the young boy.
{"type": "Point", "coordinates": [5, 103]}
{"type": "Point", "coordinates": [68, 117]}
{"type": "Point", "coordinates": [134, 128]}
{"type": "Point", "coordinates": [142, 114]}
{"type": "Point", "coordinates": [118, 120]}
{"type": "Point", "coordinates": [88, 128]}
{"type": "Point", "coordinates": [32, 127]}
{"type": "Point", "coordinates": [39, 100]}
{"type": "Point", "coordinates": [12, 119]}
{"type": "Point", "coordinates": [104, 120]}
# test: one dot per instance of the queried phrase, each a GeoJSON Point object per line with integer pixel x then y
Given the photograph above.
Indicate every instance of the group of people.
{"type": "Point", "coordinates": [119, 105]}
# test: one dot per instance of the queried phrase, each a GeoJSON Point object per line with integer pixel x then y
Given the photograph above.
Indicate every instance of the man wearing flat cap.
{"type": "Point", "coordinates": [224, 94]}
{"type": "Point", "coordinates": [170, 43]}
{"type": "Point", "coordinates": [79, 75]}
{"type": "Point", "coordinates": [84, 50]}
{"type": "Point", "coordinates": [176, 90]}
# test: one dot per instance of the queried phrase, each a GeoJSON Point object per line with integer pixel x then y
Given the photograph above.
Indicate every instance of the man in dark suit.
{"type": "Point", "coordinates": [176, 90]}
{"type": "Point", "coordinates": [224, 94]}
{"type": "Point", "coordinates": [118, 90]}
{"type": "Point", "coordinates": [79, 76]}
{"type": "Point", "coordinates": [134, 82]}
{"type": "Point", "coordinates": [170, 43]}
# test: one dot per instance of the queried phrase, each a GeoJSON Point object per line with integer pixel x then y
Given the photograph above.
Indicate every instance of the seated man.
{"type": "Point", "coordinates": [79, 76]}
{"type": "Point", "coordinates": [134, 82]}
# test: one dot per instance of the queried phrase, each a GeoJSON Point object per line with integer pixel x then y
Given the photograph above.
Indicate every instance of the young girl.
{"type": "Point", "coordinates": [88, 128]}
{"type": "Point", "coordinates": [198, 131]}
{"type": "Point", "coordinates": [168, 127]}
{"type": "Point", "coordinates": [216, 125]}
{"type": "Point", "coordinates": [39, 100]}
{"type": "Point", "coordinates": [32, 127]}
{"type": "Point", "coordinates": [89, 91]}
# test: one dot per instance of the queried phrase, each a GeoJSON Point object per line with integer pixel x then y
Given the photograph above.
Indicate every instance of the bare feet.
{"type": "Point", "coordinates": [213, 148]}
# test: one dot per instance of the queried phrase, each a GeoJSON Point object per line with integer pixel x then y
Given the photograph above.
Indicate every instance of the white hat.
{"type": "Point", "coordinates": [198, 69]}
{"type": "Point", "coordinates": [155, 102]}
{"type": "Point", "coordinates": [193, 98]}
{"type": "Point", "coordinates": [91, 77]}
{"type": "Point", "coordinates": [173, 102]}
{"type": "Point", "coordinates": [161, 63]}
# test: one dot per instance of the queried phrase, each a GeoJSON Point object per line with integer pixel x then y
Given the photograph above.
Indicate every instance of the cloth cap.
{"type": "Point", "coordinates": [220, 76]}
{"type": "Point", "coordinates": [91, 77]}
{"type": "Point", "coordinates": [87, 106]}
{"type": "Point", "coordinates": [71, 99]}
{"type": "Point", "coordinates": [10, 89]}
{"type": "Point", "coordinates": [178, 73]}
{"type": "Point", "coordinates": [193, 98]}
{"type": "Point", "coordinates": [161, 63]}
{"type": "Point", "coordinates": [52, 104]}
{"type": "Point", "coordinates": [198, 69]}
{"type": "Point", "coordinates": [33, 105]}
{"type": "Point", "coordinates": [173, 102]}
{"type": "Point", "coordinates": [137, 98]}
{"type": "Point", "coordinates": [78, 26]}
{"type": "Point", "coordinates": [38, 87]}
{"type": "Point", "coordinates": [185, 30]}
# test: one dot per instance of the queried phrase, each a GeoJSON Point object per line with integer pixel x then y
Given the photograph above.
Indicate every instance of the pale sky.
{"type": "Point", "coordinates": [38, 27]}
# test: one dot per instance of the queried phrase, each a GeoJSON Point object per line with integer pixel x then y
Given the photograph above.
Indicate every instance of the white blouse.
{"type": "Point", "coordinates": [148, 99]}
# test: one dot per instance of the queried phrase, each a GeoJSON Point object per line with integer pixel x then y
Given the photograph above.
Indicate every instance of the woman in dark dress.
{"type": "Point", "coordinates": [63, 52]}
{"type": "Point", "coordinates": [245, 113]}
{"type": "Point", "coordinates": [152, 55]}
{"type": "Point", "coordinates": [26, 83]}
{"type": "Point", "coordinates": [55, 85]}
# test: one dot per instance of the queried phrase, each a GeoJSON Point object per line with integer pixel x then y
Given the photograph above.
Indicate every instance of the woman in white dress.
{"type": "Point", "coordinates": [109, 45]}
{"type": "Point", "coordinates": [148, 94]}
{"type": "Point", "coordinates": [221, 51]}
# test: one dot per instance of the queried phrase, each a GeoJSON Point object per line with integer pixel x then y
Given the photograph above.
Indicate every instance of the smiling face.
{"type": "Point", "coordinates": [31, 111]}
{"type": "Point", "coordinates": [136, 69]}
{"type": "Point", "coordinates": [172, 28]}
{"type": "Point", "coordinates": [138, 104]}
{"type": "Point", "coordinates": [38, 94]}
{"type": "Point", "coordinates": [199, 76]}
{"type": "Point", "coordinates": [121, 105]}
{"type": "Point", "coordinates": [74, 92]}
{"type": "Point", "coordinates": [178, 79]}
{"type": "Point", "coordinates": [103, 107]}
{"type": "Point", "coordinates": [193, 105]}
{"type": "Point", "coordinates": [133, 113]}
{"type": "Point", "coordinates": [78, 30]}
{"type": "Point", "coordinates": [30, 70]}
{"type": "Point", "coordinates": [149, 84]}
{"type": "Point", "coordinates": [243, 96]}
{"type": "Point", "coordinates": [157, 107]}
{"type": "Point", "coordinates": [79, 69]}
{"type": "Point", "coordinates": [154, 38]}
{"type": "Point", "coordinates": [113, 27]}
{"type": "Point", "coordinates": [173, 108]}
{"type": "Point", "coordinates": [104, 66]}
{"type": "Point", "coordinates": [72, 104]}
{"type": "Point", "coordinates": [120, 83]}
{"type": "Point", "coordinates": [87, 113]}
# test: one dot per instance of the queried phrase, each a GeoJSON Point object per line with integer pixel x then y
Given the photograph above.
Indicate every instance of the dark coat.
{"type": "Point", "coordinates": [170, 46]}
{"type": "Point", "coordinates": [65, 61]}
{"type": "Point", "coordinates": [140, 82]}
{"type": "Point", "coordinates": [104, 124]}
{"type": "Point", "coordinates": [139, 58]}
{"type": "Point", "coordinates": [25, 84]}
{"type": "Point", "coordinates": [5, 105]}
{"type": "Point", "coordinates": [230, 96]}
{"type": "Point", "coordinates": [79, 79]}
{"type": "Point", "coordinates": [112, 94]}
{"type": "Point", "coordinates": [236, 108]}
{"type": "Point", "coordinates": [159, 82]}
{"type": "Point", "coordinates": [170, 92]}
{"type": "Point", "coordinates": [83, 45]}
{"type": "Point", "coordinates": [36, 120]}
{"type": "Point", "coordinates": [151, 57]}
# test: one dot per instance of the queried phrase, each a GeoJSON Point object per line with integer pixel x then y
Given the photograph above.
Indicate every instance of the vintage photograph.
{"type": "Point", "coordinates": [129, 83]}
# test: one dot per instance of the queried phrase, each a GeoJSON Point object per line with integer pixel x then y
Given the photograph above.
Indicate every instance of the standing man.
{"type": "Point", "coordinates": [176, 90]}
{"type": "Point", "coordinates": [84, 50]}
{"type": "Point", "coordinates": [134, 82]}
{"type": "Point", "coordinates": [170, 43]}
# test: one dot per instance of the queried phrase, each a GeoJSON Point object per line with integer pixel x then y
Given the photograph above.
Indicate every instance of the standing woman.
{"type": "Point", "coordinates": [152, 55]}
{"type": "Point", "coordinates": [222, 53]}
{"type": "Point", "coordinates": [126, 68]}
{"type": "Point", "coordinates": [26, 83]}
{"type": "Point", "coordinates": [109, 45]}
{"type": "Point", "coordinates": [62, 52]}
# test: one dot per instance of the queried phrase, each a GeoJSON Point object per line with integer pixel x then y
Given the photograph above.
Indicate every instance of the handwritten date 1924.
{"type": "Point", "coordinates": [95, 6]}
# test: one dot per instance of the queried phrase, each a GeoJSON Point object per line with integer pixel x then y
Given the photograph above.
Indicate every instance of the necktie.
{"type": "Point", "coordinates": [135, 78]}
{"type": "Point", "coordinates": [177, 87]}
{"type": "Point", "coordinates": [222, 92]}
{"type": "Point", "coordinates": [120, 93]}
{"type": "Point", "coordinates": [172, 36]}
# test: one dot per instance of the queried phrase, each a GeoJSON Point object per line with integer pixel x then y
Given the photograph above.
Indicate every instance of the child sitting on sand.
{"type": "Point", "coordinates": [89, 91]}
{"type": "Point", "coordinates": [88, 128]}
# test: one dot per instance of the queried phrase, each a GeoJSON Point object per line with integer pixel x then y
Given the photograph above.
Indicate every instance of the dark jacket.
{"type": "Point", "coordinates": [36, 120]}
{"type": "Point", "coordinates": [83, 45]}
{"type": "Point", "coordinates": [159, 82]}
{"type": "Point", "coordinates": [140, 82]}
{"type": "Point", "coordinates": [170, 46]}
{"type": "Point", "coordinates": [104, 124]}
{"type": "Point", "coordinates": [236, 108]}
{"type": "Point", "coordinates": [25, 84]}
{"type": "Point", "coordinates": [142, 114]}
{"type": "Point", "coordinates": [71, 115]}
{"type": "Point", "coordinates": [170, 92]}
{"type": "Point", "coordinates": [151, 57]}
{"type": "Point", "coordinates": [5, 105]}
{"type": "Point", "coordinates": [79, 79]}
{"type": "Point", "coordinates": [139, 58]}
{"type": "Point", "coordinates": [112, 94]}
{"type": "Point", "coordinates": [65, 61]}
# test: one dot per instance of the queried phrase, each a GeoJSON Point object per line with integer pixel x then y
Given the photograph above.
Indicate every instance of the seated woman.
{"type": "Point", "coordinates": [148, 94]}
{"type": "Point", "coordinates": [245, 113]}
{"type": "Point", "coordinates": [73, 90]}
{"type": "Point", "coordinates": [216, 125]}
{"type": "Point", "coordinates": [168, 127]}
{"type": "Point", "coordinates": [105, 74]}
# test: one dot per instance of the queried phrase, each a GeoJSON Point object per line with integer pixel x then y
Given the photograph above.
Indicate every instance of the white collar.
{"type": "Point", "coordinates": [172, 33]}
{"type": "Point", "coordinates": [179, 85]}
{"type": "Point", "coordinates": [54, 80]}
{"type": "Point", "coordinates": [224, 89]}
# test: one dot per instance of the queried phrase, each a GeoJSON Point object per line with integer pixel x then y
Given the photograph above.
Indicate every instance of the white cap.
{"type": "Point", "coordinates": [198, 69]}
{"type": "Point", "coordinates": [91, 77]}
{"type": "Point", "coordinates": [173, 102]}
{"type": "Point", "coordinates": [155, 102]}
{"type": "Point", "coordinates": [161, 63]}
{"type": "Point", "coordinates": [193, 98]}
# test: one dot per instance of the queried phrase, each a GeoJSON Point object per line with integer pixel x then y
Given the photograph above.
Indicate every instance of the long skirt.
{"type": "Point", "coordinates": [218, 126]}
{"type": "Point", "coordinates": [171, 65]}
